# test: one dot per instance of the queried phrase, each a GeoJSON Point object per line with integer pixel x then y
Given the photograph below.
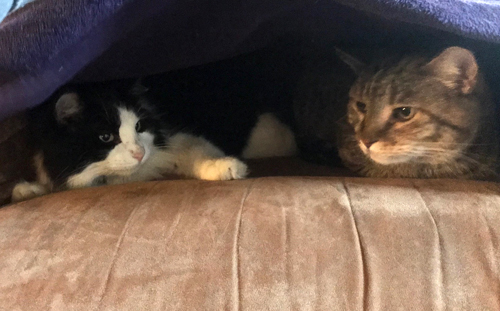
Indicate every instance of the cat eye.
{"type": "Point", "coordinates": [138, 127]}
{"type": "Point", "coordinates": [403, 113]}
{"type": "Point", "coordinates": [361, 107]}
{"type": "Point", "coordinates": [106, 137]}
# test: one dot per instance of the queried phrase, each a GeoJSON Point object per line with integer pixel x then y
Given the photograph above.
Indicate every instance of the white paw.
{"type": "Point", "coordinates": [222, 169]}
{"type": "Point", "coordinates": [26, 190]}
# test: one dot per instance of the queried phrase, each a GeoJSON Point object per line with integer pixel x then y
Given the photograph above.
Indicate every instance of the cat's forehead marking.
{"type": "Point", "coordinates": [382, 88]}
{"type": "Point", "coordinates": [376, 83]}
{"type": "Point", "coordinates": [128, 120]}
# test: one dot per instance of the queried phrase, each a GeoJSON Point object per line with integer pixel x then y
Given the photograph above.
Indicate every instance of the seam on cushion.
{"type": "Point", "coordinates": [117, 247]}
{"type": "Point", "coordinates": [286, 248]}
{"type": "Point", "coordinates": [362, 254]}
{"type": "Point", "coordinates": [440, 299]}
{"type": "Point", "coordinates": [493, 246]}
{"type": "Point", "coordinates": [178, 216]}
{"type": "Point", "coordinates": [236, 293]}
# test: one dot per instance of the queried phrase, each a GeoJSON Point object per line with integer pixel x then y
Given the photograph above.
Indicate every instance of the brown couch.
{"type": "Point", "coordinates": [266, 243]}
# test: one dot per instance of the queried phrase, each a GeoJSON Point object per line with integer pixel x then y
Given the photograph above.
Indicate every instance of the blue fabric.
{"type": "Point", "coordinates": [5, 7]}
{"type": "Point", "coordinates": [472, 18]}
{"type": "Point", "coordinates": [9, 6]}
{"type": "Point", "coordinates": [19, 3]}
{"type": "Point", "coordinates": [46, 43]}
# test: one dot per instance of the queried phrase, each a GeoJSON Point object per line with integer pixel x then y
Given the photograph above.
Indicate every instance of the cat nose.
{"type": "Point", "coordinates": [138, 155]}
{"type": "Point", "coordinates": [368, 143]}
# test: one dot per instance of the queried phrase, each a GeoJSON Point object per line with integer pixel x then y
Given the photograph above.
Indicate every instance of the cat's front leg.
{"type": "Point", "coordinates": [28, 190]}
{"type": "Point", "coordinates": [87, 177]}
{"type": "Point", "coordinates": [197, 157]}
{"type": "Point", "coordinates": [225, 168]}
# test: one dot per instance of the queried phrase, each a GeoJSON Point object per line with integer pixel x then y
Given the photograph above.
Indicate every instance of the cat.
{"type": "Point", "coordinates": [92, 134]}
{"type": "Point", "coordinates": [410, 118]}
{"type": "Point", "coordinates": [197, 122]}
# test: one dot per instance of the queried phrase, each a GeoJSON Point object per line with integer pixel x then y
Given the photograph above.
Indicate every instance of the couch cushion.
{"type": "Point", "coordinates": [284, 243]}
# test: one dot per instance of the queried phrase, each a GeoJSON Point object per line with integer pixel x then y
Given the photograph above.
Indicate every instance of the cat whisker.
{"type": "Point", "coordinates": [82, 155]}
{"type": "Point", "coordinates": [456, 144]}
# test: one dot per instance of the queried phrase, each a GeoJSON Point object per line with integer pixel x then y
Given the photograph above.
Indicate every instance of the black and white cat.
{"type": "Point", "coordinates": [110, 133]}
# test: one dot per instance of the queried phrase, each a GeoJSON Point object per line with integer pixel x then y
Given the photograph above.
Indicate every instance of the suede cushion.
{"type": "Point", "coordinates": [284, 243]}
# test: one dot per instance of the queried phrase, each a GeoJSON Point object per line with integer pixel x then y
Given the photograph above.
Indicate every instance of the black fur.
{"type": "Point", "coordinates": [68, 147]}
{"type": "Point", "coordinates": [222, 101]}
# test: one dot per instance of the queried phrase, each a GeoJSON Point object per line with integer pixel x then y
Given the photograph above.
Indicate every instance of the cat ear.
{"type": "Point", "coordinates": [68, 106]}
{"type": "Point", "coordinates": [457, 69]}
{"type": "Point", "coordinates": [138, 89]}
{"type": "Point", "coordinates": [356, 65]}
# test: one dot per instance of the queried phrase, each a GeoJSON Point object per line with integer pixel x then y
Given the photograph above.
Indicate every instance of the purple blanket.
{"type": "Point", "coordinates": [47, 43]}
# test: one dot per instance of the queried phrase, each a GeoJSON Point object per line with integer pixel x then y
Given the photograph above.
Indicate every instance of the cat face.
{"type": "Point", "coordinates": [416, 111]}
{"type": "Point", "coordinates": [93, 125]}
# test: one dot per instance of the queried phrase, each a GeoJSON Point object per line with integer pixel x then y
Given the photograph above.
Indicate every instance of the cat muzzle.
{"type": "Point", "coordinates": [138, 155]}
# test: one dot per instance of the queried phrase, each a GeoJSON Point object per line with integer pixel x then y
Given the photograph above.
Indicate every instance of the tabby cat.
{"type": "Point", "coordinates": [414, 117]}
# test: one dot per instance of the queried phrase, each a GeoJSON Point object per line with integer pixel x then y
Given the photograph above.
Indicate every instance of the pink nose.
{"type": "Point", "coordinates": [138, 155]}
{"type": "Point", "coordinates": [368, 143]}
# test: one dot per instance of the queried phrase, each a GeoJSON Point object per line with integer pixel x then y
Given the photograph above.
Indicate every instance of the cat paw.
{"type": "Point", "coordinates": [26, 190]}
{"type": "Point", "coordinates": [222, 169]}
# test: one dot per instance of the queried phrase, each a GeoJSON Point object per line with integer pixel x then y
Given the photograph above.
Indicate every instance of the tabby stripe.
{"type": "Point", "coordinates": [443, 122]}
{"type": "Point", "coordinates": [392, 93]}
{"type": "Point", "coordinates": [373, 85]}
